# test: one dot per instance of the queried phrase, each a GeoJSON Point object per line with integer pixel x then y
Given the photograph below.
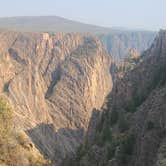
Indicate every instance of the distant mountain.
{"type": "Point", "coordinates": [118, 41]}
{"type": "Point", "coordinates": [55, 24]}
{"type": "Point", "coordinates": [49, 24]}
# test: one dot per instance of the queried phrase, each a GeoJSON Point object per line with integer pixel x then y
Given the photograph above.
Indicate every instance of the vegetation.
{"type": "Point", "coordinates": [150, 125]}
{"type": "Point", "coordinates": [114, 116]}
{"type": "Point", "coordinates": [163, 148]}
{"type": "Point", "coordinates": [15, 147]}
{"type": "Point", "coordinates": [126, 149]}
{"type": "Point", "coordinates": [131, 106]}
{"type": "Point", "coordinates": [123, 124]}
{"type": "Point", "coordinates": [113, 132]}
{"type": "Point", "coordinates": [160, 76]}
{"type": "Point", "coordinates": [128, 65]}
{"type": "Point", "coordinates": [120, 147]}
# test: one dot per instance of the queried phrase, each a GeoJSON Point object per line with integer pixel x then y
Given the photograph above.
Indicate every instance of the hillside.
{"type": "Point", "coordinates": [117, 42]}
{"type": "Point", "coordinates": [54, 82]}
{"type": "Point", "coordinates": [120, 44]}
{"type": "Point", "coordinates": [131, 129]}
{"type": "Point", "coordinates": [48, 24]}
{"type": "Point", "coordinates": [15, 147]}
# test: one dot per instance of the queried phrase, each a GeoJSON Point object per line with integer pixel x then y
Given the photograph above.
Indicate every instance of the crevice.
{"type": "Point", "coordinates": [56, 76]}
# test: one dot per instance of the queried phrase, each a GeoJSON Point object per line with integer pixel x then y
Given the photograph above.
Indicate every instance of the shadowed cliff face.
{"type": "Point", "coordinates": [120, 43]}
{"type": "Point", "coordinates": [54, 79]}
{"type": "Point", "coordinates": [132, 127]}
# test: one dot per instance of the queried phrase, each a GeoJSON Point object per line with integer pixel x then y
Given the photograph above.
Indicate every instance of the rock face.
{"type": "Point", "coordinates": [54, 82]}
{"type": "Point", "coordinates": [132, 127]}
{"type": "Point", "coordinates": [120, 43]}
{"type": "Point", "coordinates": [117, 42]}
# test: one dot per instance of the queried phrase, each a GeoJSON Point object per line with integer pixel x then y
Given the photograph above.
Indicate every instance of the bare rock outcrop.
{"type": "Point", "coordinates": [132, 126]}
{"type": "Point", "coordinates": [54, 81]}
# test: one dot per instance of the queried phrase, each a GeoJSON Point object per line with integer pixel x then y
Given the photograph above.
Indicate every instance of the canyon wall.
{"type": "Point", "coordinates": [53, 83]}
{"type": "Point", "coordinates": [131, 129]}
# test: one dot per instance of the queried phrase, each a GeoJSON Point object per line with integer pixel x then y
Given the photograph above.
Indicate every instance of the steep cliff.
{"type": "Point", "coordinates": [120, 43]}
{"type": "Point", "coordinates": [132, 128]}
{"type": "Point", "coordinates": [15, 147]}
{"type": "Point", "coordinates": [117, 42]}
{"type": "Point", "coordinates": [54, 82]}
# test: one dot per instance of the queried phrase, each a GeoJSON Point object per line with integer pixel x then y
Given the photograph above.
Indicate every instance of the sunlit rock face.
{"type": "Point", "coordinates": [121, 44]}
{"type": "Point", "coordinates": [54, 81]}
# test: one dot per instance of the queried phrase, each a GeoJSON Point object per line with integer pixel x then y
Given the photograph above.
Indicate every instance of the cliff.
{"type": "Point", "coordinates": [54, 81]}
{"type": "Point", "coordinates": [120, 43]}
{"type": "Point", "coordinates": [117, 42]}
{"type": "Point", "coordinates": [131, 128]}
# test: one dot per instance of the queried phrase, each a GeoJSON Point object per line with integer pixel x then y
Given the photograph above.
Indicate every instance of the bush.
{"type": "Point", "coordinates": [123, 124]}
{"type": "Point", "coordinates": [106, 134]}
{"type": "Point", "coordinates": [150, 125]}
{"type": "Point", "coordinates": [14, 147]}
{"type": "Point", "coordinates": [126, 148]}
{"type": "Point", "coordinates": [163, 149]}
{"type": "Point", "coordinates": [131, 107]}
{"type": "Point", "coordinates": [114, 117]}
{"type": "Point", "coordinates": [5, 128]}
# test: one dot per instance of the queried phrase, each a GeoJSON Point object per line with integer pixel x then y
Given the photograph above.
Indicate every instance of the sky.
{"type": "Point", "coordinates": [144, 14]}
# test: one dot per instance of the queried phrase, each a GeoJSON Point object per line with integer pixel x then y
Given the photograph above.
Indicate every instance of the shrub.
{"type": "Point", "coordinates": [123, 124]}
{"type": "Point", "coordinates": [111, 148]}
{"type": "Point", "coordinates": [13, 147]}
{"type": "Point", "coordinates": [131, 107]}
{"type": "Point", "coordinates": [163, 149]}
{"type": "Point", "coordinates": [106, 134]}
{"type": "Point", "coordinates": [114, 117]}
{"type": "Point", "coordinates": [126, 148]}
{"type": "Point", "coordinates": [150, 125]}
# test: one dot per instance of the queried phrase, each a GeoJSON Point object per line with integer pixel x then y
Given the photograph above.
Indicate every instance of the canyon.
{"type": "Point", "coordinates": [131, 126]}
{"type": "Point", "coordinates": [71, 100]}
{"type": "Point", "coordinates": [53, 83]}
{"type": "Point", "coordinates": [117, 42]}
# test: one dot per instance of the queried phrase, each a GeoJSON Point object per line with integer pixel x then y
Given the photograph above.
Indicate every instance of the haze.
{"type": "Point", "coordinates": [144, 14]}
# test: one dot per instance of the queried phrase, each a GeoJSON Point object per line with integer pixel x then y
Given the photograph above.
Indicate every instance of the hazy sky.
{"type": "Point", "coordinates": [146, 14]}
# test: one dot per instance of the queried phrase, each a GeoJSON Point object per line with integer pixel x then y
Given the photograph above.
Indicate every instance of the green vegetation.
{"type": "Point", "coordinates": [81, 151]}
{"type": "Point", "coordinates": [136, 101]}
{"type": "Point", "coordinates": [160, 77]}
{"type": "Point", "coordinates": [114, 116]}
{"type": "Point", "coordinates": [123, 124]}
{"type": "Point", "coordinates": [139, 96]}
{"type": "Point", "coordinates": [150, 125]}
{"type": "Point", "coordinates": [121, 147]}
{"type": "Point", "coordinates": [163, 149]}
{"type": "Point", "coordinates": [131, 106]}
{"type": "Point", "coordinates": [128, 64]}
{"type": "Point", "coordinates": [126, 149]}
{"type": "Point", "coordinates": [118, 146]}
{"type": "Point", "coordinates": [15, 147]}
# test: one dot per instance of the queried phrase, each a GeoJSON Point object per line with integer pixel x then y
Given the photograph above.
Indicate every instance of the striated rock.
{"type": "Point", "coordinates": [54, 81]}
{"type": "Point", "coordinates": [117, 41]}
{"type": "Point", "coordinates": [132, 127]}
{"type": "Point", "coordinates": [120, 43]}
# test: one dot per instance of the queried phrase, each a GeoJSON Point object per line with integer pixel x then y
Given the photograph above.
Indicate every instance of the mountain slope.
{"type": "Point", "coordinates": [48, 24]}
{"type": "Point", "coordinates": [117, 42]}
{"type": "Point", "coordinates": [54, 82]}
{"type": "Point", "coordinates": [131, 129]}
{"type": "Point", "coordinates": [16, 148]}
{"type": "Point", "coordinates": [120, 44]}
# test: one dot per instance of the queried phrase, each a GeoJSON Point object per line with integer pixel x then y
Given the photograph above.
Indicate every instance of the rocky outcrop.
{"type": "Point", "coordinates": [131, 129]}
{"type": "Point", "coordinates": [117, 42]}
{"type": "Point", "coordinates": [120, 43]}
{"type": "Point", "coordinates": [54, 82]}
